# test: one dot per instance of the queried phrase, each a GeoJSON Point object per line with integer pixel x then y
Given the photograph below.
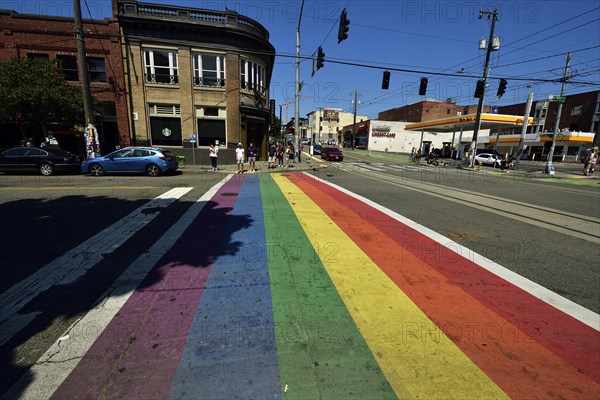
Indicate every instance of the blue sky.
{"type": "Point", "coordinates": [412, 39]}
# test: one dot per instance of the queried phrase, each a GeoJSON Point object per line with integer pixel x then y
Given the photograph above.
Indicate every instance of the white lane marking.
{"type": "Point", "coordinates": [62, 357]}
{"type": "Point", "coordinates": [76, 262]}
{"type": "Point", "coordinates": [557, 301]}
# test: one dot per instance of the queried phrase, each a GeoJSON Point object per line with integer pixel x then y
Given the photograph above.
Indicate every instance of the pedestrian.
{"type": "Point", "coordinates": [593, 162]}
{"type": "Point", "coordinates": [212, 154]}
{"type": "Point", "coordinates": [300, 149]}
{"type": "Point", "coordinates": [239, 157]}
{"type": "Point", "coordinates": [272, 152]}
{"type": "Point", "coordinates": [291, 154]}
{"type": "Point", "coordinates": [280, 152]}
{"type": "Point", "coordinates": [252, 155]}
{"type": "Point", "coordinates": [586, 162]}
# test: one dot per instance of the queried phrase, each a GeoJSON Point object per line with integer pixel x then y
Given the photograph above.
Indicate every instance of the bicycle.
{"type": "Point", "coordinates": [181, 162]}
{"type": "Point", "coordinates": [414, 158]}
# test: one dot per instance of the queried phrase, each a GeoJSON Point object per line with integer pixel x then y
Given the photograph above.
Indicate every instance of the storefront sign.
{"type": "Point", "coordinates": [383, 131]}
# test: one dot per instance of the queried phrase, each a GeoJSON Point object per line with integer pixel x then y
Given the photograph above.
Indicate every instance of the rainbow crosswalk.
{"type": "Point", "coordinates": [292, 287]}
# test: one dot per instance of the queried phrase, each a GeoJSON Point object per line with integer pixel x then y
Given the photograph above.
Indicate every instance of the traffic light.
{"type": "Point", "coordinates": [479, 88]}
{"type": "Point", "coordinates": [501, 87]}
{"type": "Point", "coordinates": [423, 87]}
{"type": "Point", "coordinates": [320, 58]}
{"type": "Point", "coordinates": [386, 80]}
{"type": "Point", "coordinates": [343, 30]}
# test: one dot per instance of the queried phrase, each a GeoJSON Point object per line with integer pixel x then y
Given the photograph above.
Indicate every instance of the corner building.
{"type": "Point", "coordinates": [195, 72]}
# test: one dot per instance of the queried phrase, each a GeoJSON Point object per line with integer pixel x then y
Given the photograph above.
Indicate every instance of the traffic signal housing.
{"type": "Point", "coordinates": [385, 84]}
{"type": "Point", "coordinates": [501, 87]}
{"type": "Point", "coordinates": [423, 87]}
{"type": "Point", "coordinates": [479, 88]}
{"type": "Point", "coordinates": [320, 58]}
{"type": "Point", "coordinates": [343, 29]}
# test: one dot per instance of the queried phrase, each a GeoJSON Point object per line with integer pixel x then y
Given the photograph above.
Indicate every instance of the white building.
{"type": "Point", "coordinates": [325, 124]}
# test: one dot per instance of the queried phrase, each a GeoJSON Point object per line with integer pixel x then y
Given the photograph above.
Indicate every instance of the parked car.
{"type": "Point", "coordinates": [332, 153]}
{"type": "Point", "coordinates": [489, 159]}
{"type": "Point", "coordinates": [132, 160]}
{"type": "Point", "coordinates": [46, 161]}
{"type": "Point", "coordinates": [317, 149]}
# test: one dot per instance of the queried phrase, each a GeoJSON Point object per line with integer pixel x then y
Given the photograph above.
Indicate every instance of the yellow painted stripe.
{"type": "Point", "coordinates": [418, 360]}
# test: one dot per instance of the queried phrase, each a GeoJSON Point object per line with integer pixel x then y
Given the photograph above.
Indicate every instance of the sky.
{"type": "Point", "coordinates": [411, 39]}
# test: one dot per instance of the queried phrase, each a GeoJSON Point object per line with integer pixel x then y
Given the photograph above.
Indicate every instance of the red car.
{"type": "Point", "coordinates": [332, 154]}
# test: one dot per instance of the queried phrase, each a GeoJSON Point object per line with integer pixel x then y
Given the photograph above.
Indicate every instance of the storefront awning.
{"type": "Point", "coordinates": [467, 123]}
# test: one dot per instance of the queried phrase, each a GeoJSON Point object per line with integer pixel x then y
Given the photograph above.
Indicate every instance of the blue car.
{"type": "Point", "coordinates": [132, 160]}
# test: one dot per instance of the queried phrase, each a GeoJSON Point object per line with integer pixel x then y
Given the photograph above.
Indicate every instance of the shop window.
{"type": "Point", "coordinates": [161, 66]}
{"type": "Point", "coordinates": [68, 66]}
{"type": "Point", "coordinates": [209, 70]}
{"type": "Point", "coordinates": [573, 150]}
{"type": "Point", "coordinates": [211, 131]}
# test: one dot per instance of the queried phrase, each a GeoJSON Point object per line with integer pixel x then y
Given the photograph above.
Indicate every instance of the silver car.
{"type": "Point", "coordinates": [490, 159]}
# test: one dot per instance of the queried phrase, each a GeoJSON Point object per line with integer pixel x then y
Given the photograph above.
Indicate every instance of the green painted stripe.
{"type": "Point", "coordinates": [320, 350]}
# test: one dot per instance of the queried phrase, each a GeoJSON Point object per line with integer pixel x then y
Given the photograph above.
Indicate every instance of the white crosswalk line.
{"type": "Point", "coordinates": [45, 377]}
{"type": "Point", "coordinates": [76, 262]}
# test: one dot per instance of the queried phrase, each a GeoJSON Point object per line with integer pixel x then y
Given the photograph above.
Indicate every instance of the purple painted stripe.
{"type": "Point", "coordinates": [138, 353]}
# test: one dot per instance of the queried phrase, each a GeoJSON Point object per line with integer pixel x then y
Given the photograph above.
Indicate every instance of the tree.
{"type": "Point", "coordinates": [275, 131]}
{"type": "Point", "coordinates": [34, 93]}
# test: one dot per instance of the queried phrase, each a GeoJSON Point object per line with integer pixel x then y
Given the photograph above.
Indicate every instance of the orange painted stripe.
{"type": "Point", "coordinates": [548, 325]}
{"type": "Point", "coordinates": [521, 366]}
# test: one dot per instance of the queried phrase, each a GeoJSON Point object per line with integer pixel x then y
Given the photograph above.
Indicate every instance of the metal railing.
{"type": "Point", "coordinates": [192, 15]}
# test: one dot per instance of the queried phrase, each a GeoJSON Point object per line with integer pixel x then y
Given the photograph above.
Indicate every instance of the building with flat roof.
{"type": "Point", "coordinates": [195, 72]}
{"type": "Point", "coordinates": [53, 39]}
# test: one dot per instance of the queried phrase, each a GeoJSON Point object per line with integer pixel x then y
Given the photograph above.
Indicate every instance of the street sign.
{"type": "Point", "coordinates": [192, 138]}
{"type": "Point", "coordinates": [557, 99]}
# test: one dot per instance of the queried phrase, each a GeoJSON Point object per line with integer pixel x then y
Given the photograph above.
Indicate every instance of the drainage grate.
{"type": "Point", "coordinates": [229, 194]}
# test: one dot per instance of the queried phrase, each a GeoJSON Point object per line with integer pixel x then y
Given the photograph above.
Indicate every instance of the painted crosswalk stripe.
{"type": "Point", "coordinates": [44, 376]}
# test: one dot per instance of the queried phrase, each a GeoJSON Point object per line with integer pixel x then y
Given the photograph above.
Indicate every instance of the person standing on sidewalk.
{"type": "Point", "coordinates": [280, 153]}
{"type": "Point", "coordinates": [252, 154]}
{"type": "Point", "coordinates": [239, 158]}
{"type": "Point", "coordinates": [272, 152]}
{"type": "Point", "coordinates": [291, 154]}
{"type": "Point", "coordinates": [212, 154]}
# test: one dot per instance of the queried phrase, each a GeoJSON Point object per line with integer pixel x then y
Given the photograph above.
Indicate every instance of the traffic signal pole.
{"type": "Point", "coordinates": [473, 150]}
{"type": "Point", "coordinates": [297, 87]}
{"type": "Point", "coordinates": [549, 165]}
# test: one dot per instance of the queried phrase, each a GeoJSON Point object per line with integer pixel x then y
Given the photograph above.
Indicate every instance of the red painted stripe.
{"type": "Point", "coordinates": [489, 319]}
{"type": "Point", "coordinates": [137, 355]}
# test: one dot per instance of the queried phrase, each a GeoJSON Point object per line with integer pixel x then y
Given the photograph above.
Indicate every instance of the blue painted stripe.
{"type": "Point", "coordinates": [230, 351]}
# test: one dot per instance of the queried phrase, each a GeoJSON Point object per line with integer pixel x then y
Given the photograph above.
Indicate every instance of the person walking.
{"type": "Point", "coordinates": [212, 154]}
{"type": "Point", "coordinates": [252, 154]}
{"type": "Point", "coordinates": [239, 158]}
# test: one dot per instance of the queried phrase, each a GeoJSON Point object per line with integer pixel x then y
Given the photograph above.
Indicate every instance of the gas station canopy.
{"type": "Point", "coordinates": [467, 123]}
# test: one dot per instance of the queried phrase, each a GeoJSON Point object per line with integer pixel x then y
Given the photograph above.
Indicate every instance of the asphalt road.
{"type": "Point", "coordinates": [545, 231]}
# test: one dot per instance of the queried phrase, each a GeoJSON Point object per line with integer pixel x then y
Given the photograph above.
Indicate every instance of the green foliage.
{"type": "Point", "coordinates": [36, 92]}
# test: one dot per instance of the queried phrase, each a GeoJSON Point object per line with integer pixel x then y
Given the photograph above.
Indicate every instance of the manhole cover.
{"type": "Point", "coordinates": [229, 194]}
{"type": "Point", "coordinates": [455, 236]}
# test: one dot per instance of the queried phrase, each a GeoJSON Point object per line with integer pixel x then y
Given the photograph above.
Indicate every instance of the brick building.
{"type": "Point", "coordinates": [53, 39]}
{"type": "Point", "coordinates": [195, 72]}
{"type": "Point", "coordinates": [427, 110]}
{"type": "Point", "coordinates": [581, 112]}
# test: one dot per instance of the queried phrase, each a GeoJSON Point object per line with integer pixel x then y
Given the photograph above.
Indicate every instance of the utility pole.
{"type": "Point", "coordinates": [354, 120]}
{"type": "Point", "coordinates": [523, 129]}
{"type": "Point", "coordinates": [91, 134]}
{"type": "Point", "coordinates": [473, 151]}
{"type": "Point", "coordinates": [297, 86]}
{"type": "Point", "coordinates": [549, 164]}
